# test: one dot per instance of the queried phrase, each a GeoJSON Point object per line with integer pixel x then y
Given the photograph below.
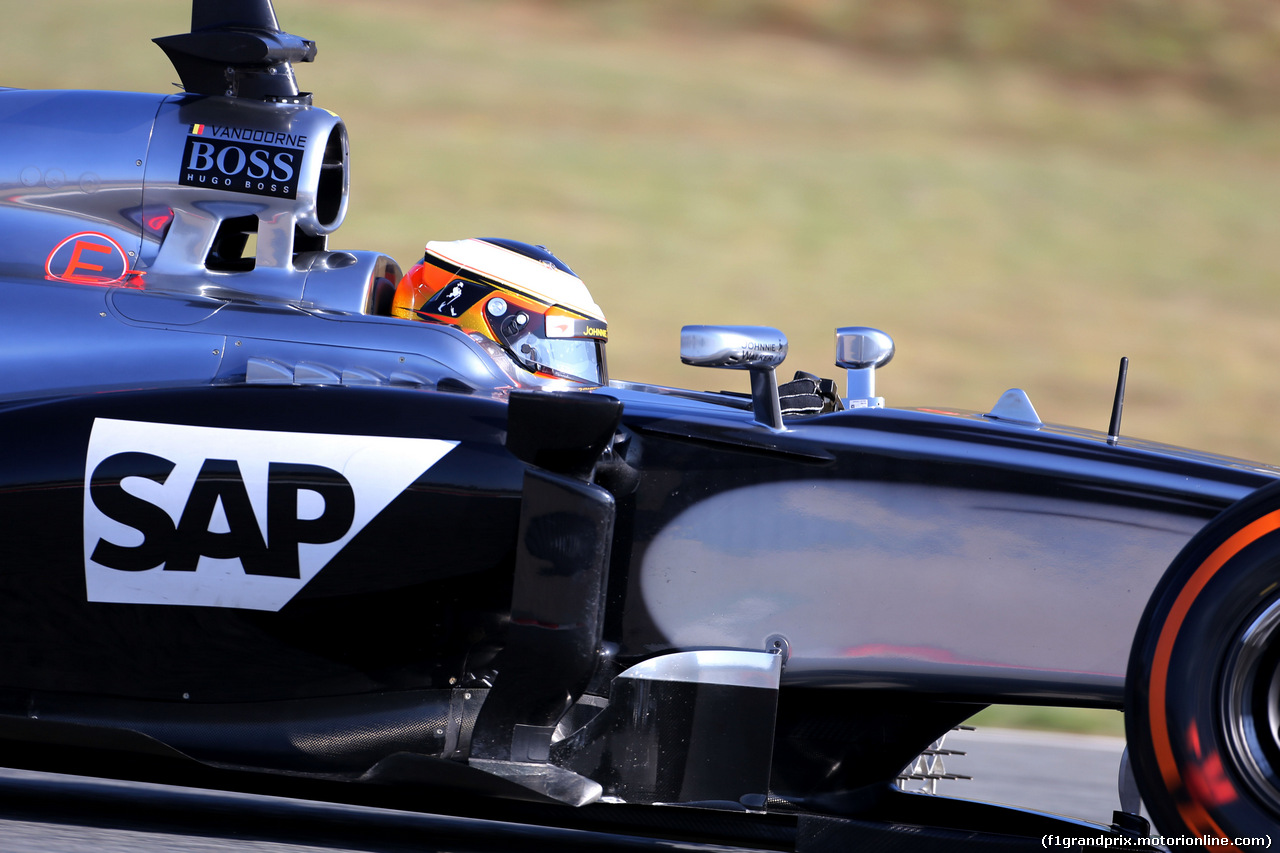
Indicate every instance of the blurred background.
{"type": "Point", "coordinates": [1019, 191]}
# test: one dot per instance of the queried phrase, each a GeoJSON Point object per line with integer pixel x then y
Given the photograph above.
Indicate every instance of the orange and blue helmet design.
{"type": "Point", "coordinates": [516, 295]}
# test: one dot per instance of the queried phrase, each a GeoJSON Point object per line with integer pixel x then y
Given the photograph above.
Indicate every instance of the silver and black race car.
{"type": "Point", "coordinates": [266, 516]}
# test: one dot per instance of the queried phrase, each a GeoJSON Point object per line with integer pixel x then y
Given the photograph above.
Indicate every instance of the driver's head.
{"type": "Point", "coordinates": [518, 296]}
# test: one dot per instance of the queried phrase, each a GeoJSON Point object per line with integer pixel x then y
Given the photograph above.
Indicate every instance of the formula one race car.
{"type": "Point", "coordinates": [293, 514]}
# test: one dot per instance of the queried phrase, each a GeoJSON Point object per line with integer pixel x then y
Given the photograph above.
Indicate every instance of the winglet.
{"type": "Point", "coordinates": [236, 48]}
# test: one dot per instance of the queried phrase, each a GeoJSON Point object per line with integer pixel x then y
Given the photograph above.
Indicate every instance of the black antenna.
{"type": "Point", "coordinates": [1117, 408]}
{"type": "Point", "coordinates": [236, 48]}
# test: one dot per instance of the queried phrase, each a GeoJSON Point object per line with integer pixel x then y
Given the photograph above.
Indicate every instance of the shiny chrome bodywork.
{"type": "Point", "coordinates": [110, 162]}
{"type": "Point", "coordinates": [66, 338]}
{"type": "Point", "coordinates": [88, 170]}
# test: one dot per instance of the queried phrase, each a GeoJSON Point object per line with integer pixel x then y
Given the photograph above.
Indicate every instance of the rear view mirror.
{"type": "Point", "coordinates": [734, 347]}
{"type": "Point", "coordinates": [861, 350]}
{"type": "Point", "coordinates": [758, 349]}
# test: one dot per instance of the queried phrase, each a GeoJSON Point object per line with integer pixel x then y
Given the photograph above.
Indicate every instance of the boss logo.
{"type": "Point", "coordinates": [242, 160]}
{"type": "Point", "coordinates": [230, 518]}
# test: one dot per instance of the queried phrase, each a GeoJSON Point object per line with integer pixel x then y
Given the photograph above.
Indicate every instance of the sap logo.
{"type": "Point", "coordinates": [216, 517]}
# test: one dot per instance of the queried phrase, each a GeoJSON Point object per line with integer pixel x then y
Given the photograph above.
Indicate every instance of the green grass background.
{"type": "Point", "coordinates": [1089, 721]}
{"type": "Point", "coordinates": [1011, 218]}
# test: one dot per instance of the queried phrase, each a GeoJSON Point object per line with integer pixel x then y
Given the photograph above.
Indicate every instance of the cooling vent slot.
{"type": "Point", "coordinates": [234, 247]}
{"type": "Point", "coordinates": [332, 188]}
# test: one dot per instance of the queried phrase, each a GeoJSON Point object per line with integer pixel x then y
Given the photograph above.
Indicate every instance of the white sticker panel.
{"type": "Point", "coordinates": [204, 516]}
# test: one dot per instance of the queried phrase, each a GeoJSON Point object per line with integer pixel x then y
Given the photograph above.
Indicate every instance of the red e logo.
{"type": "Point", "coordinates": [90, 258]}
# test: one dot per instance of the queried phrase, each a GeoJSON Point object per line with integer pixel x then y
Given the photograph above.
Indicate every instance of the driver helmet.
{"type": "Point", "coordinates": [514, 295]}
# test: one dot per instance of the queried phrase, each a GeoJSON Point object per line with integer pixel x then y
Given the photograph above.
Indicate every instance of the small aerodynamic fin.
{"type": "Point", "coordinates": [242, 14]}
{"type": "Point", "coordinates": [236, 48]}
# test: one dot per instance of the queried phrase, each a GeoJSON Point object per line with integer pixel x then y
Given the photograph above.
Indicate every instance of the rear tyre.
{"type": "Point", "coordinates": [1202, 692]}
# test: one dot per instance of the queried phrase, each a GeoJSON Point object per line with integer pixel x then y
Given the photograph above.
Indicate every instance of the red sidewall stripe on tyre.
{"type": "Point", "coordinates": [1193, 814]}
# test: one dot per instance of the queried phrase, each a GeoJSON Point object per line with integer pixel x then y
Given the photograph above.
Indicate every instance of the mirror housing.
{"type": "Point", "coordinates": [861, 350]}
{"type": "Point", "coordinates": [757, 349]}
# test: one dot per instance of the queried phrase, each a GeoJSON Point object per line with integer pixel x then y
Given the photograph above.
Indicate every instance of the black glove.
{"type": "Point", "coordinates": [808, 395]}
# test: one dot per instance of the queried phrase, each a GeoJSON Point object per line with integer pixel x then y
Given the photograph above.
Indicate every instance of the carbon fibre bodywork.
{"type": "Point", "coordinates": [1011, 536]}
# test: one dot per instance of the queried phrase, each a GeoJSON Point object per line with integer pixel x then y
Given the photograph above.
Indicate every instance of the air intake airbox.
{"type": "Point", "coordinates": [175, 193]}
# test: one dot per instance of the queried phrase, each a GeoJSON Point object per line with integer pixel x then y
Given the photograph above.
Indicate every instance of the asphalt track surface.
{"type": "Point", "coordinates": [50, 813]}
{"type": "Point", "coordinates": [1073, 775]}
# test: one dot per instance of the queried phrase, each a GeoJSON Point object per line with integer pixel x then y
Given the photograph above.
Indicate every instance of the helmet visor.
{"type": "Point", "coordinates": [549, 340]}
{"type": "Point", "coordinates": [567, 358]}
